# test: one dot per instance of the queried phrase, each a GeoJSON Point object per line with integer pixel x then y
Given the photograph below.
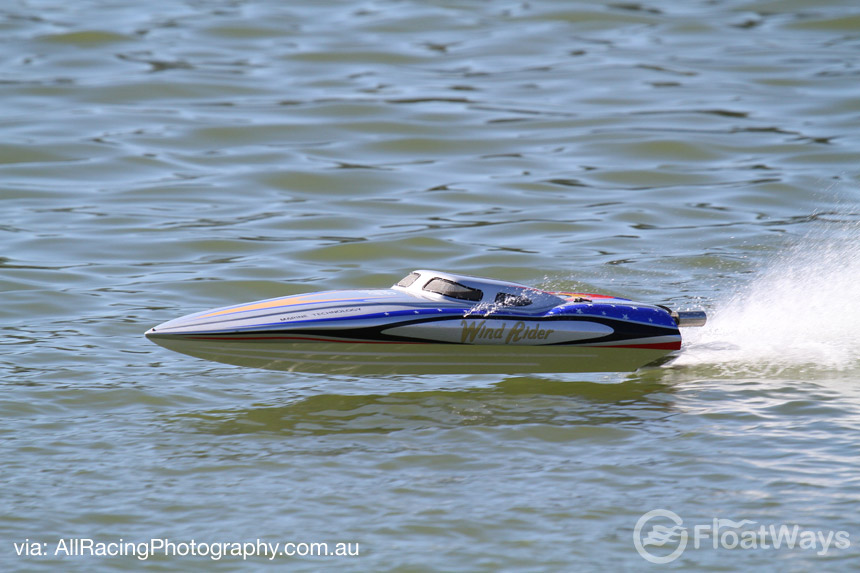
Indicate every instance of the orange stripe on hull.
{"type": "Point", "coordinates": [278, 302]}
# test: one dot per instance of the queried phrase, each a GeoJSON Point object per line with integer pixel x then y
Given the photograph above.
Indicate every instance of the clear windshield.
{"type": "Point", "coordinates": [453, 290]}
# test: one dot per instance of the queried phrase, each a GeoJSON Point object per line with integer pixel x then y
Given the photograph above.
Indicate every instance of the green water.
{"type": "Point", "coordinates": [163, 158]}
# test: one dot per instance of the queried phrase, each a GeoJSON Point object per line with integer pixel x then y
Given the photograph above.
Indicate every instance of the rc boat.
{"type": "Point", "coordinates": [433, 322]}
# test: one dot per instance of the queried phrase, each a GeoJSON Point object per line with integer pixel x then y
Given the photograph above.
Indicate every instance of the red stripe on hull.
{"type": "Point", "coordinates": [658, 346]}
{"type": "Point", "coordinates": [582, 295]}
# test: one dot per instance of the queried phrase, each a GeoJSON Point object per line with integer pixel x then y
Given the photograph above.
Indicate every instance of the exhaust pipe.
{"type": "Point", "coordinates": [690, 317]}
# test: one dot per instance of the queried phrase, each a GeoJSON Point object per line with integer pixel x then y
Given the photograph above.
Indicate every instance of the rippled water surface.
{"type": "Point", "coordinates": [167, 157]}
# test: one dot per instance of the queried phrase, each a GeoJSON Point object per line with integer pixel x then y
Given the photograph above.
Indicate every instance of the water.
{"type": "Point", "coordinates": [162, 159]}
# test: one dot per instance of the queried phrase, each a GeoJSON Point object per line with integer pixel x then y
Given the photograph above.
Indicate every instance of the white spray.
{"type": "Point", "coordinates": [803, 310]}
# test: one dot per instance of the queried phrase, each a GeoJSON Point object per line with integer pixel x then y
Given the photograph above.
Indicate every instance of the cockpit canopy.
{"type": "Point", "coordinates": [445, 286]}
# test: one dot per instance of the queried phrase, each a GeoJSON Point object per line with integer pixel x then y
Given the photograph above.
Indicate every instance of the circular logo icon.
{"type": "Point", "coordinates": [660, 535]}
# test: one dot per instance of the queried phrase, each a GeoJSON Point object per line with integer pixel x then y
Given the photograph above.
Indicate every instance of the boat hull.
{"type": "Point", "coordinates": [382, 358]}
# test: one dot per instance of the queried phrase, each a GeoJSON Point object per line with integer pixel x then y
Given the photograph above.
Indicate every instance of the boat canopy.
{"type": "Point", "coordinates": [471, 290]}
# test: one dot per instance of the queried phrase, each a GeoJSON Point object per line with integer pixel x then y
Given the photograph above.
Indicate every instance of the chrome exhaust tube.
{"type": "Point", "coordinates": [690, 317]}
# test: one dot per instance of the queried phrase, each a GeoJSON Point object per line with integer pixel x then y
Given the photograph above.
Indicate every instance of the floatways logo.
{"type": "Point", "coordinates": [660, 536]}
